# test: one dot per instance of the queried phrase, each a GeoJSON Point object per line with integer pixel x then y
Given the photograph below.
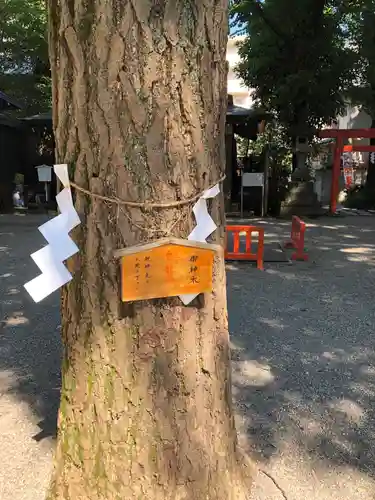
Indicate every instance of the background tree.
{"type": "Point", "coordinates": [139, 104]}
{"type": "Point", "coordinates": [24, 63]}
{"type": "Point", "coordinates": [360, 22]}
{"type": "Point", "coordinates": [296, 59]}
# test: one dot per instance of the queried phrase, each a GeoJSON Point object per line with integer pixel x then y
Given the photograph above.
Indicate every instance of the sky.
{"type": "Point", "coordinates": [233, 30]}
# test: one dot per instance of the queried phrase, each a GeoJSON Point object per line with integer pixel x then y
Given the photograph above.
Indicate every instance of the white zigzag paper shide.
{"type": "Point", "coordinates": [56, 231]}
{"type": "Point", "coordinates": [204, 228]}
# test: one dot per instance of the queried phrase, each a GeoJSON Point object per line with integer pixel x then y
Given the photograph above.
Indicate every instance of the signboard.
{"type": "Point", "coordinates": [347, 164]}
{"type": "Point", "coordinates": [44, 173]}
{"type": "Point", "coordinates": [166, 268]}
{"type": "Point", "coordinates": [349, 177]}
{"type": "Point", "coordinates": [252, 180]}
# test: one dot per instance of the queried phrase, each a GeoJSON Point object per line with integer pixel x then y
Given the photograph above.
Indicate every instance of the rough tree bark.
{"type": "Point", "coordinates": [139, 97]}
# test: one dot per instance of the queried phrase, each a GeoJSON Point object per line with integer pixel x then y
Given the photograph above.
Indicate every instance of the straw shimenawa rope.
{"type": "Point", "coordinates": [146, 205]}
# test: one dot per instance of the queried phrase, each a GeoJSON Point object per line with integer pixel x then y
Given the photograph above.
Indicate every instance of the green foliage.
{"type": "Point", "coordinates": [280, 153]}
{"type": "Point", "coordinates": [273, 143]}
{"type": "Point", "coordinates": [361, 197]}
{"type": "Point", "coordinates": [33, 91]}
{"type": "Point", "coordinates": [24, 64]}
{"type": "Point", "coordinates": [23, 25]}
{"type": "Point", "coordinates": [296, 58]}
{"type": "Point", "coordinates": [360, 22]}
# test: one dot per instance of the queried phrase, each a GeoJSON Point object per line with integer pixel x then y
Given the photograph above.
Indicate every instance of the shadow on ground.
{"type": "Point", "coordinates": [304, 347]}
{"type": "Point", "coordinates": [303, 342]}
{"type": "Point", "coordinates": [29, 333]}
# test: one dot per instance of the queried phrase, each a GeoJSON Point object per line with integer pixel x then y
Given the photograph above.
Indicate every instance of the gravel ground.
{"type": "Point", "coordinates": [304, 364]}
{"type": "Point", "coordinates": [29, 366]}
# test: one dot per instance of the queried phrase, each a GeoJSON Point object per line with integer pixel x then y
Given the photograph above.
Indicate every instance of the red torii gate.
{"type": "Point", "coordinates": [340, 135]}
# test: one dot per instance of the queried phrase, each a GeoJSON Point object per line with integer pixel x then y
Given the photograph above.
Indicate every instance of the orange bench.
{"type": "Point", "coordinates": [235, 253]}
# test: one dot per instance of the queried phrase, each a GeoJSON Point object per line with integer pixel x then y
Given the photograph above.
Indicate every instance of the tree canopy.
{"type": "Point", "coordinates": [24, 64]}
{"type": "Point", "coordinates": [359, 19]}
{"type": "Point", "coordinates": [296, 58]}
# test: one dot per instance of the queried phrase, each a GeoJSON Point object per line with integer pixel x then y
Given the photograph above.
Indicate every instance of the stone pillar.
{"type": "Point", "coordinates": [302, 199]}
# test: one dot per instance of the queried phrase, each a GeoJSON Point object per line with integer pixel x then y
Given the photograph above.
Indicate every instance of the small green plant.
{"type": "Point", "coordinates": [361, 197]}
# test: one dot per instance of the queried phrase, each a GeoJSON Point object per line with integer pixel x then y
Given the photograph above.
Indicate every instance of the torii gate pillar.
{"type": "Point", "coordinates": [341, 135]}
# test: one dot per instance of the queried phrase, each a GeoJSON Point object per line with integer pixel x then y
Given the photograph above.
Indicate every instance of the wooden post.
{"type": "Point", "coordinates": [228, 167]}
{"type": "Point", "coordinates": [266, 180]}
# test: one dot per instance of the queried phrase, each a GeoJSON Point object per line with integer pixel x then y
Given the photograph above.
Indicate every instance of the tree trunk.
{"type": "Point", "coordinates": [139, 96]}
{"type": "Point", "coordinates": [6, 197]}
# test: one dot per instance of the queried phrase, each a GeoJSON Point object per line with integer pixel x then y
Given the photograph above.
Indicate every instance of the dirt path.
{"type": "Point", "coordinates": [304, 365]}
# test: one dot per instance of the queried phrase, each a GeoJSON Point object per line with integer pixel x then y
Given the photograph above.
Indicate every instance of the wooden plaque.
{"type": "Point", "coordinates": [166, 268]}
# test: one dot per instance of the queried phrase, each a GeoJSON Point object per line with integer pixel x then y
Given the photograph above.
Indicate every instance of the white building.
{"type": "Point", "coordinates": [354, 118]}
{"type": "Point", "coordinates": [241, 94]}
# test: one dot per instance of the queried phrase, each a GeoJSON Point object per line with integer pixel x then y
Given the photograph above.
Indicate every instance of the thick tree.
{"type": "Point", "coordinates": [139, 102]}
{"type": "Point", "coordinates": [296, 59]}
